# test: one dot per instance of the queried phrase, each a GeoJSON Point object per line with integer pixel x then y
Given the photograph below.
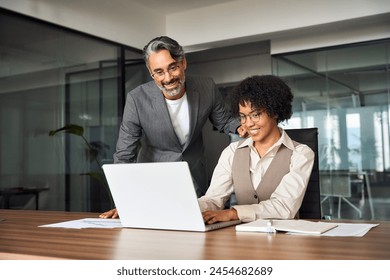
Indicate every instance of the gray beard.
{"type": "Point", "coordinates": [173, 92]}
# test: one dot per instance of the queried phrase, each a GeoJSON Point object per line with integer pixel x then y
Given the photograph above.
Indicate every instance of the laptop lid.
{"type": "Point", "coordinates": [158, 195]}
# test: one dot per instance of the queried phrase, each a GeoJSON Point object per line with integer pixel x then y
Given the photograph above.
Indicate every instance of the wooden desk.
{"type": "Point", "coordinates": [21, 238]}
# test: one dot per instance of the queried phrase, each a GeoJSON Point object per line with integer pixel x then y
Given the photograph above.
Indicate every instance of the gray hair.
{"type": "Point", "coordinates": [163, 43]}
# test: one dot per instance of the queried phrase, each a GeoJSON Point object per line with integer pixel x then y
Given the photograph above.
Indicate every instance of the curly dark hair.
{"type": "Point", "coordinates": [267, 92]}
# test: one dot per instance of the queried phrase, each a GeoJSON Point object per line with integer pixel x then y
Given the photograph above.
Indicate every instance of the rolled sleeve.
{"type": "Point", "coordinates": [246, 213]}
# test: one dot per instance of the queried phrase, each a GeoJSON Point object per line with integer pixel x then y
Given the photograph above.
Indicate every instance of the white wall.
{"type": "Point", "coordinates": [250, 20]}
{"type": "Point", "coordinates": [354, 31]}
{"type": "Point", "coordinates": [233, 70]}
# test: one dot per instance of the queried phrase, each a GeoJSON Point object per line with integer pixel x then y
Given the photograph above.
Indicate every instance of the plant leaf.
{"type": "Point", "coordinates": [70, 128]}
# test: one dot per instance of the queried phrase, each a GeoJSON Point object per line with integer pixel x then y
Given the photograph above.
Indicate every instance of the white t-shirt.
{"type": "Point", "coordinates": [178, 111]}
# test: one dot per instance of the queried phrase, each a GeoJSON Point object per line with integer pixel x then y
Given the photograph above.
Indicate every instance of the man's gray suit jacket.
{"type": "Point", "coordinates": [146, 119]}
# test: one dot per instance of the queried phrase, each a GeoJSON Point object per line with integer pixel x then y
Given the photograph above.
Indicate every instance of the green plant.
{"type": "Point", "coordinates": [92, 150]}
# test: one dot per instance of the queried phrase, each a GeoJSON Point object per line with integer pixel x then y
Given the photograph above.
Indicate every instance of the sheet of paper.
{"type": "Point", "coordinates": [87, 223]}
{"type": "Point", "coordinates": [347, 229]}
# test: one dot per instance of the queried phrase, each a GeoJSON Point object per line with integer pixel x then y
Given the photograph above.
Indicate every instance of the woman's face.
{"type": "Point", "coordinates": [257, 123]}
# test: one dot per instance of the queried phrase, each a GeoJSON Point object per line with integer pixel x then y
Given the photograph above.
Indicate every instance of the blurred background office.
{"type": "Point", "coordinates": [72, 62]}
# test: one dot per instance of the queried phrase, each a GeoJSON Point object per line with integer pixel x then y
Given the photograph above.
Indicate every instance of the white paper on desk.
{"type": "Point", "coordinates": [347, 230]}
{"type": "Point", "coordinates": [350, 229]}
{"type": "Point", "coordinates": [296, 226]}
{"type": "Point", "coordinates": [87, 223]}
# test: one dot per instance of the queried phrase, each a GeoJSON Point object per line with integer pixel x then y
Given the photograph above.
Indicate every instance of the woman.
{"type": "Point", "coordinates": [268, 172]}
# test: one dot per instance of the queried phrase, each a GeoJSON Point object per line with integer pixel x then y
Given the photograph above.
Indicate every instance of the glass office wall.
{"type": "Point", "coordinates": [345, 92]}
{"type": "Point", "coordinates": [51, 77]}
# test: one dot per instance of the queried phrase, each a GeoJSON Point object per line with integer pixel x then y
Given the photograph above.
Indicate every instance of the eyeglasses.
{"type": "Point", "coordinates": [254, 117]}
{"type": "Point", "coordinates": [172, 70]}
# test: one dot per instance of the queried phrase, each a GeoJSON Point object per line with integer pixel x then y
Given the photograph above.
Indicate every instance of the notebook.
{"type": "Point", "coordinates": [158, 195]}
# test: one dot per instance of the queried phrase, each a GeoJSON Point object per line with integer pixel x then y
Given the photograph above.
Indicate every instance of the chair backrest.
{"type": "Point", "coordinates": [311, 204]}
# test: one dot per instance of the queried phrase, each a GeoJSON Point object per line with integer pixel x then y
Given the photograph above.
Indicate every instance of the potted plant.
{"type": "Point", "coordinates": [92, 149]}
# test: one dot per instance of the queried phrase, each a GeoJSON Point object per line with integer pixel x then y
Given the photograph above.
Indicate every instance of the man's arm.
{"type": "Point", "coordinates": [130, 133]}
{"type": "Point", "coordinates": [220, 116]}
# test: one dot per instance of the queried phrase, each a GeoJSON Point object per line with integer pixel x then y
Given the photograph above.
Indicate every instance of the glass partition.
{"type": "Point", "coordinates": [345, 92]}
{"type": "Point", "coordinates": [50, 78]}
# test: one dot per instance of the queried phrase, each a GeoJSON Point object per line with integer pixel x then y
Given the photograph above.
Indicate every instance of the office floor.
{"type": "Point", "coordinates": [380, 201]}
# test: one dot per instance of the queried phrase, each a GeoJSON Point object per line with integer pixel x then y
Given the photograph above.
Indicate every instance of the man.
{"type": "Point", "coordinates": [168, 114]}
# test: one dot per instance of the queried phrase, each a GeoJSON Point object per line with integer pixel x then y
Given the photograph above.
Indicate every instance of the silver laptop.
{"type": "Point", "coordinates": [157, 196]}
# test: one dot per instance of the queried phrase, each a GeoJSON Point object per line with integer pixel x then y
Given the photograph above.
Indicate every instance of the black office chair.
{"type": "Point", "coordinates": [311, 204]}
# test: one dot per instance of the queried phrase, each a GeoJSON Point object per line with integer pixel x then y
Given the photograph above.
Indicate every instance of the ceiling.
{"type": "Point", "coordinates": [175, 6]}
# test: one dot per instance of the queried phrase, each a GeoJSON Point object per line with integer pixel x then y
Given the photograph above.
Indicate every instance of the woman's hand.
{"type": "Point", "coordinates": [211, 217]}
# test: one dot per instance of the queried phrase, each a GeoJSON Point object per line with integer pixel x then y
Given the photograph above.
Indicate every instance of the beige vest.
{"type": "Point", "coordinates": [243, 187]}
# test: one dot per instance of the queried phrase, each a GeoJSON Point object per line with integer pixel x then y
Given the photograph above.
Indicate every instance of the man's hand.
{"type": "Point", "coordinates": [211, 217]}
{"type": "Point", "coordinates": [242, 132]}
{"type": "Point", "coordinates": [113, 213]}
